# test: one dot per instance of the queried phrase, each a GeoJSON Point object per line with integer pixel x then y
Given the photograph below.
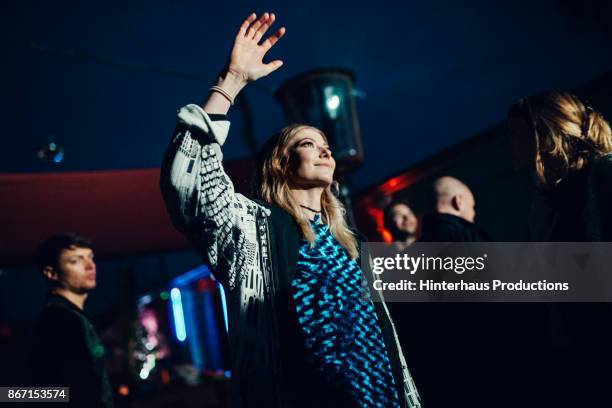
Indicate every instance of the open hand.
{"type": "Point", "coordinates": [246, 58]}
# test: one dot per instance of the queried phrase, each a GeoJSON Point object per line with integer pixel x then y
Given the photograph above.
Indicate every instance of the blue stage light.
{"type": "Point", "coordinates": [179, 317]}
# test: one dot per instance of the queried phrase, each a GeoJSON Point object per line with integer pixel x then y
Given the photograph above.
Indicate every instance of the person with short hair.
{"type": "Point", "coordinates": [67, 351]}
{"type": "Point", "coordinates": [453, 215]}
{"type": "Point", "coordinates": [456, 326]}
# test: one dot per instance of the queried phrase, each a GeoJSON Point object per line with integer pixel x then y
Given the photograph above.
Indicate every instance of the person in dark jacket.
{"type": "Point", "coordinates": [455, 347]}
{"type": "Point", "coordinates": [454, 212]}
{"type": "Point", "coordinates": [66, 350]}
{"type": "Point", "coordinates": [568, 146]}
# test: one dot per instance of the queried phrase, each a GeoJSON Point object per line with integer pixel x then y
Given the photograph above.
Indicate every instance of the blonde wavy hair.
{"type": "Point", "coordinates": [276, 171]}
{"type": "Point", "coordinates": [568, 135]}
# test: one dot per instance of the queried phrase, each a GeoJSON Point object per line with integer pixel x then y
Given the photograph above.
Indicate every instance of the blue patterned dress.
{"type": "Point", "coordinates": [339, 324]}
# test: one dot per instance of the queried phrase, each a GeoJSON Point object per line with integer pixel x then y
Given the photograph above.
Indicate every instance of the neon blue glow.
{"type": "Point", "coordinates": [190, 277]}
{"type": "Point", "coordinates": [179, 317]}
{"type": "Point", "coordinates": [58, 157]}
{"type": "Point", "coordinates": [223, 305]}
{"type": "Point", "coordinates": [191, 322]}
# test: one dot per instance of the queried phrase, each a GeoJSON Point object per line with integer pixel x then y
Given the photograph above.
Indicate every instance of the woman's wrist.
{"type": "Point", "coordinates": [232, 82]}
{"type": "Point", "coordinates": [224, 92]}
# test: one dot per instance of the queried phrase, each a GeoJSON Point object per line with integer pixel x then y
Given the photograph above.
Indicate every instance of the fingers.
{"type": "Point", "coordinates": [264, 27]}
{"type": "Point", "coordinates": [273, 66]}
{"type": "Point", "coordinates": [255, 26]}
{"type": "Point", "coordinates": [271, 40]}
{"type": "Point", "coordinates": [245, 25]}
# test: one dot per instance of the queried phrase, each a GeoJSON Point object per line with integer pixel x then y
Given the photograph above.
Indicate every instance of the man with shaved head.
{"type": "Point", "coordinates": [454, 212]}
{"type": "Point", "coordinates": [457, 327]}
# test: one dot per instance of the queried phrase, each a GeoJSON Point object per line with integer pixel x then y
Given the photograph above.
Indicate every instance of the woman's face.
{"type": "Point", "coordinates": [522, 143]}
{"type": "Point", "coordinates": [524, 155]}
{"type": "Point", "coordinates": [404, 219]}
{"type": "Point", "coordinates": [311, 159]}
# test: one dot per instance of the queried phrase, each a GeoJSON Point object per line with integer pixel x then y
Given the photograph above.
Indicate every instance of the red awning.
{"type": "Point", "coordinates": [122, 211]}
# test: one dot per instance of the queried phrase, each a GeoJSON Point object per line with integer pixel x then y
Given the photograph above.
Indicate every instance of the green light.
{"type": "Point", "coordinates": [164, 295]}
{"type": "Point", "coordinates": [98, 350]}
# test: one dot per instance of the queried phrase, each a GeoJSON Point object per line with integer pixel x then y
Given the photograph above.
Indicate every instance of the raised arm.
{"type": "Point", "coordinates": [245, 63]}
{"type": "Point", "coordinates": [199, 195]}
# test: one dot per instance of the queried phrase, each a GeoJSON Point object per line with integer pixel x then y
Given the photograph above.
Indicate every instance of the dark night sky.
{"type": "Point", "coordinates": [433, 73]}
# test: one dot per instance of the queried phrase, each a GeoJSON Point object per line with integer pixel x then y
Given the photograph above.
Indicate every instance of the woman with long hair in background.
{"type": "Point", "coordinates": [568, 146]}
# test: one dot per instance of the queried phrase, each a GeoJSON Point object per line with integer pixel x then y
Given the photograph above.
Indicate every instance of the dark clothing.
{"type": "Point", "coordinates": [469, 354]}
{"type": "Point", "coordinates": [339, 324]}
{"type": "Point", "coordinates": [519, 354]}
{"type": "Point", "coordinates": [252, 249]}
{"type": "Point", "coordinates": [578, 209]}
{"type": "Point", "coordinates": [450, 228]}
{"type": "Point", "coordinates": [67, 352]}
{"type": "Point", "coordinates": [601, 184]}
{"type": "Point", "coordinates": [298, 378]}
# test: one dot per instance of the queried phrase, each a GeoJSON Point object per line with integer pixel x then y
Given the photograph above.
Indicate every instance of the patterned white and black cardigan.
{"type": "Point", "coordinates": [236, 238]}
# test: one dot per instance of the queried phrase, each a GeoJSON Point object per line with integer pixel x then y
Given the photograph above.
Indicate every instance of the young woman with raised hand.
{"type": "Point", "coordinates": [301, 332]}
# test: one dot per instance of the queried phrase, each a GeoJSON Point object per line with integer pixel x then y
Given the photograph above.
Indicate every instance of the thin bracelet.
{"type": "Point", "coordinates": [216, 88]}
